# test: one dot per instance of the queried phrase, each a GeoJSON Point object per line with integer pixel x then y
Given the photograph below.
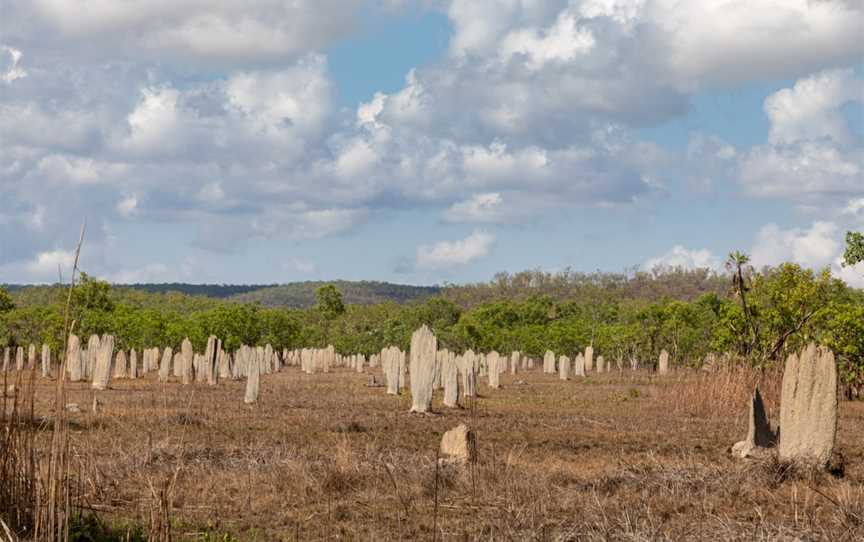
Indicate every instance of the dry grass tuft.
{"type": "Point", "coordinates": [725, 392]}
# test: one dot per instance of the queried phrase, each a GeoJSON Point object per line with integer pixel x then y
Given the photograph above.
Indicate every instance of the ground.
{"type": "Point", "coordinates": [619, 456]}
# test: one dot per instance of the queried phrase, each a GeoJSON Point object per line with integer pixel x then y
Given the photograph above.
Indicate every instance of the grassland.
{"type": "Point", "coordinates": [627, 456]}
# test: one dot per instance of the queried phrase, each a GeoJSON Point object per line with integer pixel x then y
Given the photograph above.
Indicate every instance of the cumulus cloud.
{"type": "Point", "coordinates": [815, 247]}
{"type": "Point", "coordinates": [716, 41]}
{"type": "Point", "coordinates": [445, 255]}
{"type": "Point", "coordinates": [688, 44]}
{"type": "Point", "coordinates": [223, 32]}
{"type": "Point", "coordinates": [680, 257]}
{"type": "Point", "coordinates": [810, 153]}
{"type": "Point", "coordinates": [47, 264]}
{"type": "Point", "coordinates": [222, 117]}
{"type": "Point", "coordinates": [811, 108]}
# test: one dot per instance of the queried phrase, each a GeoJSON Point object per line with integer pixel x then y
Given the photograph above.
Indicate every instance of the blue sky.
{"type": "Point", "coordinates": [426, 141]}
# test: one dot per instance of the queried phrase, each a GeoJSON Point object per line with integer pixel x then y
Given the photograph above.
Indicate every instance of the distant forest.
{"type": "Point", "coordinates": [302, 294]}
{"type": "Point", "coordinates": [673, 284]}
{"type": "Point", "coordinates": [217, 291]}
{"type": "Point", "coordinates": [633, 315]}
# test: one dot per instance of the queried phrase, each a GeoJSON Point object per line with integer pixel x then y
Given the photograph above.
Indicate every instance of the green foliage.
{"type": "Point", "coordinates": [843, 325]}
{"type": "Point", "coordinates": [92, 294]}
{"type": "Point", "coordinates": [854, 248]}
{"type": "Point", "coordinates": [6, 303]}
{"type": "Point", "coordinates": [329, 302]}
{"type": "Point", "coordinates": [302, 294]}
{"type": "Point", "coordinates": [87, 528]}
{"type": "Point", "coordinates": [786, 306]}
{"type": "Point", "coordinates": [213, 534]}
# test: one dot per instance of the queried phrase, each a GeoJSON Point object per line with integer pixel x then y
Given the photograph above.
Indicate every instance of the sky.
{"type": "Point", "coordinates": [426, 141]}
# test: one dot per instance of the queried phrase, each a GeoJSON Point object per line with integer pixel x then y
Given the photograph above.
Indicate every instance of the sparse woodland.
{"type": "Point", "coordinates": [636, 315]}
{"type": "Point", "coordinates": [634, 448]}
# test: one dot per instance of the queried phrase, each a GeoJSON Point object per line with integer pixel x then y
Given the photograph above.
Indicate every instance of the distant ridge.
{"type": "Point", "coordinates": [292, 294]}
{"type": "Point", "coordinates": [219, 291]}
{"type": "Point", "coordinates": [302, 294]}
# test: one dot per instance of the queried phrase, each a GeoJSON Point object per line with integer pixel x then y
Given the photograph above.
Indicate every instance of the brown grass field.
{"type": "Point", "coordinates": [627, 456]}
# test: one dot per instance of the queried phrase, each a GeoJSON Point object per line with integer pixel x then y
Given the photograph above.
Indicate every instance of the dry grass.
{"type": "Point", "coordinates": [612, 457]}
{"type": "Point", "coordinates": [723, 393]}
{"type": "Point", "coordinates": [18, 475]}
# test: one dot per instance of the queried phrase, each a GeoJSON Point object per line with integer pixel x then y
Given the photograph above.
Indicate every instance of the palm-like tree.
{"type": "Point", "coordinates": [738, 263]}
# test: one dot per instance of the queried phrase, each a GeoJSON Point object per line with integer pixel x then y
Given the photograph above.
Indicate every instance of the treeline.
{"type": "Point", "coordinates": [302, 294]}
{"type": "Point", "coordinates": [758, 317]}
{"type": "Point", "coordinates": [661, 283]}
{"type": "Point", "coordinates": [219, 291]}
{"type": "Point", "coordinates": [293, 294]}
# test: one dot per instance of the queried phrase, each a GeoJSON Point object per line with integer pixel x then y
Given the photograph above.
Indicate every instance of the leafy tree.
{"type": "Point", "coordinates": [329, 306]}
{"type": "Point", "coordinates": [854, 248]}
{"type": "Point", "coordinates": [788, 298]}
{"type": "Point", "coordinates": [92, 294]}
{"type": "Point", "coordinates": [6, 303]}
{"type": "Point", "coordinates": [844, 335]}
{"type": "Point", "coordinates": [329, 301]}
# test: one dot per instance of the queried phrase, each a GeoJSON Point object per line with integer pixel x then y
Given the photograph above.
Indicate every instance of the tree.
{"type": "Point", "coordinates": [843, 325]}
{"type": "Point", "coordinates": [738, 264]}
{"type": "Point", "coordinates": [788, 298]}
{"type": "Point", "coordinates": [6, 303]}
{"type": "Point", "coordinates": [329, 306]}
{"type": "Point", "coordinates": [329, 301]}
{"type": "Point", "coordinates": [93, 294]}
{"type": "Point", "coordinates": [854, 248]}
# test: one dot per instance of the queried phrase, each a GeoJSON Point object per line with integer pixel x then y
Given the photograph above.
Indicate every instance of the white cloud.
{"type": "Point", "coordinates": [855, 208]}
{"type": "Point", "coordinates": [77, 170]}
{"type": "Point", "coordinates": [688, 44]}
{"type": "Point", "coordinates": [821, 245]}
{"type": "Point", "coordinates": [728, 42]}
{"type": "Point", "coordinates": [128, 206]}
{"type": "Point", "coordinates": [479, 208]}
{"type": "Point", "coordinates": [46, 264]}
{"type": "Point", "coordinates": [811, 109]}
{"type": "Point", "coordinates": [445, 255]}
{"type": "Point", "coordinates": [154, 122]}
{"type": "Point", "coordinates": [853, 276]}
{"type": "Point", "coordinates": [563, 41]}
{"type": "Point", "coordinates": [221, 115]}
{"type": "Point", "coordinates": [10, 64]}
{"type": "Point", "coordinates": [296, 97]}
{"type": "Point", "coordinates": [810, 153]}
{"type": "Point", "coordinates": [802, 170]}
{"type": "Point", "coordinates": [232, 32]}
{"type": "Point", "coordinates": [678, 256]}
{"type": "Point", "coordinates": [814, 247]}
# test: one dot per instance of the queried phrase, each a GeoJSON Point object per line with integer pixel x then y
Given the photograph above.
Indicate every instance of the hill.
{"type": "Point", "coordinates": [294, 294]}
{"type": "Point", "coordinates": [302, 294]}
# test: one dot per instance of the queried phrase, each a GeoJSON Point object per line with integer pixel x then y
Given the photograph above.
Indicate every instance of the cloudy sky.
{"type": "Point", "coordinates": [426, 141]}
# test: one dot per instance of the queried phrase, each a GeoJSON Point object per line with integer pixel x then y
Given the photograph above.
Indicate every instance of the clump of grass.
{"type": "Point", "coordinates": [722, 393]}
{"type": "Point", "coordinates": [18, 475]}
